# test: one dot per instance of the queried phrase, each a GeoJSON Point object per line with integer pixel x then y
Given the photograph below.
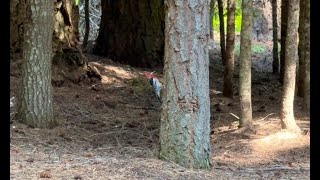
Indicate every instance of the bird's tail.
{"type": "Point", "coordinates": [159, 99]}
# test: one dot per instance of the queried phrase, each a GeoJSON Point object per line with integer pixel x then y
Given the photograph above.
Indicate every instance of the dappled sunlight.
{"type": "Point", "coordinates": [266, 144]}
{"type": "Point", "coordinates": [119, 71]}
{"type": "Point", "coordinates": [107, 79]}
{"type": "Point", "coordinates": [113, 73]}
{"type": "Point", "coordinates": [280, 141]}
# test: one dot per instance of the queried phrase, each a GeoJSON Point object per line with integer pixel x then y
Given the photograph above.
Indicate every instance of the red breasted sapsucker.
{"type": "Point", "coordinates": [155, 83]}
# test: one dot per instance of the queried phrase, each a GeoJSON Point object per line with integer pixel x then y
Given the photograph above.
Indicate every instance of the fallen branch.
{"type": "Point", "coordinates": [234, 115]}
{"type": "Point", "coordinates": [265, 117]}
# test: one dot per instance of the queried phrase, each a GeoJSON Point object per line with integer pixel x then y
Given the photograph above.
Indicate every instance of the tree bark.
{"type": "Point", "coordinates": [306, 97]}
{"type": "Point", "coordinates": [229, 66]}
{"type": "Point", "coordinates": [284, 20]}
{"type": "Point", "coordinates": [17, 17]}
{"type": "Point", "coordinates": [66, 19]}
{"type": "Point", "coordinates": [222, 33]}
{"type": "Point", "coordinates": [291, 56]}
{"type": "Point", "coordinates": [132, 32]}
{"type": "Point", "coordinates": [211, 18]}
{"type": "Point", "coordinates": [301, 51]}
{"type": "Point", "coordinates": [275, 63]}
{"type": "Point", "coordinates": [35, 95]}
{"type": "Point", "coordinates": [185, 117]}
{"type": "Point", "coordinates": [68, 60]}
{"type": "Point", "coordinates": [87, 25]}
{"type": "Point", "coordinates": [245, 65]}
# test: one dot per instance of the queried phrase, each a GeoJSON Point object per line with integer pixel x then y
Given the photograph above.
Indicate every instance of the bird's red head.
{"type": "Point", "coordinates": [148, 75]}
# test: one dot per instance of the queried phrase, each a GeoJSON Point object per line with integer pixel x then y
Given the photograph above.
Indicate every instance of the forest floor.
{"type": "Point", "coordinates": [109, 130]}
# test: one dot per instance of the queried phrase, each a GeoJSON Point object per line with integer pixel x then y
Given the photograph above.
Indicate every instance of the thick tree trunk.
{"type": "Point", "coordinates": [68, 61]}
{"type": "Point", "coordinates": [211, 18]}
{"type": "Point", "coordinates": [245, 65]}
{"type": "Point", "coordinates": [284, 21]}
{"type": "Point", "coordinates": [185, 118]}
{"type": "Point", "coordinates": [87, 25]}
{"type": "Point", "coordinates": [301, 51]}
{"type": "Point", "coordinates": [66, 19]}
{"type": "Point", "coordinates": [65, 38]}
{"type": "Point", "coordinates": [132, 32]}
{"type": "Point", "coordinates": [222, 33]}
{"type": "Point", "coordinates": [306, 97]}
{"type": "Point", "coordinates": [275, 63]}
{"type": "Point", "coordinates": [287, 113]}
{"type": "Point", "coordinates": [229, 66]}
{"type": "Point", "coordinates": [35, 96]}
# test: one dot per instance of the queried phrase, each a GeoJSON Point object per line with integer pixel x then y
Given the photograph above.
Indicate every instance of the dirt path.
{"type": "Point", "coordinates": [109, 130]}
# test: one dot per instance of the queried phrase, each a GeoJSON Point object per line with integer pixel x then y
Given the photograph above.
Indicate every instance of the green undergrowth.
{"type": "Point", "coordinates": [255, 49]}
{"type": "Point", "coordinates": [140, 85]}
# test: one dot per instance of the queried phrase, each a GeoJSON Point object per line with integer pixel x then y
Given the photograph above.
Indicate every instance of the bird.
{"type": "Point", "coordinates": [155, 84]}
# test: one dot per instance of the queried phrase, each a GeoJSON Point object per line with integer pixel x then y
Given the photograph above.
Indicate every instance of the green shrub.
{"type": "Point", "coordinates": [255, 49]}
{"type": "Point", "coordinates": [140, 85]}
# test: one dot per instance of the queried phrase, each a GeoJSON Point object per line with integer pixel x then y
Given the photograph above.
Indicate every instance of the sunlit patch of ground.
{"type": "Point", "coordinates": [282, 140]}
{"type": "Point", "coordinates": [113, 74]}
{"type": "Point", "coordinates": [268, 145]}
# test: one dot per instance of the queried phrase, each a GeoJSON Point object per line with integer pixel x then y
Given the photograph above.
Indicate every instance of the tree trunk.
{"type": "Point", "coordinates": [185, 118]}
{"type": "Point", "coordinates": [306, 97]}
{"type": "Point", "coordinates": [284, 20]}
{"type": "Point", "coordinates": [17, 17]}
{"type": "Point", "coordinates": [275, 63]}
{"type": "Point", "coordinates": [301, 50]}
{"type": "Point", "coordinates": [65, 38]}
{"type": "Point", "coordinates": [35, 95]}
{"type": "Point", "coordinates": [132, 32]}
{"type": "Point", "coordinates": [211, 19]}
{"type": "Point", "coordinates": [66, 19]}
{"type": "Point", "coordinates": [66, 33]}
{"type": "Point", "coordinates": [87, 26]}
{"type": "Point", "coordinates": [229, 66]}
{"type": "Point", "coordinates": [287, 100]}
{"type": "Point", "coordinates": [222, 33]}
{"type": "Point", "coordinates": [68, 61]}
{"type": "Point", "coordinates": [245, 65]}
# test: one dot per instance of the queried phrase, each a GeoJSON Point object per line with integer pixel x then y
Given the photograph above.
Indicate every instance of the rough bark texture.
{"type": "Point", "coordinates": [68, 61]}
{"type": "Point", "coordinates": [65, 38]}
{"type": "Point", "coordinates": [301, 51]}
{"type": "Point", "coordinates": [66, 19]}
{"type": "Point", "coordinates": [132, 32]}
{"type": "Point", "coordinates": [211, 18]}
{"type": "Point", "coordinates": [262, 24]}
{"type": "Point", "coordinates": [229, 66]}
{"type": "Point", "coordinates": [222, 33]}
{"type": "Point", "coordinates": [35, 96]}
{"type": "Point", "coordinates": [291, 51]}
{"type": "Point", "coordinates": [261, 20]}
{"type": "Point", "coordinates": [87, 27]}
{"type": "Point", "coordinates": [307, 57]}
{"type": "Point", "coordinates": [275, 63]}
{"type": "Point", "coordinates": [185, 118]}
{"type": "Point", "coordinates": [17, 16]}
{"type": "Point", "coordinates": [245, 65]}
{"type": "Point", "coordinates": [284, 20]}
